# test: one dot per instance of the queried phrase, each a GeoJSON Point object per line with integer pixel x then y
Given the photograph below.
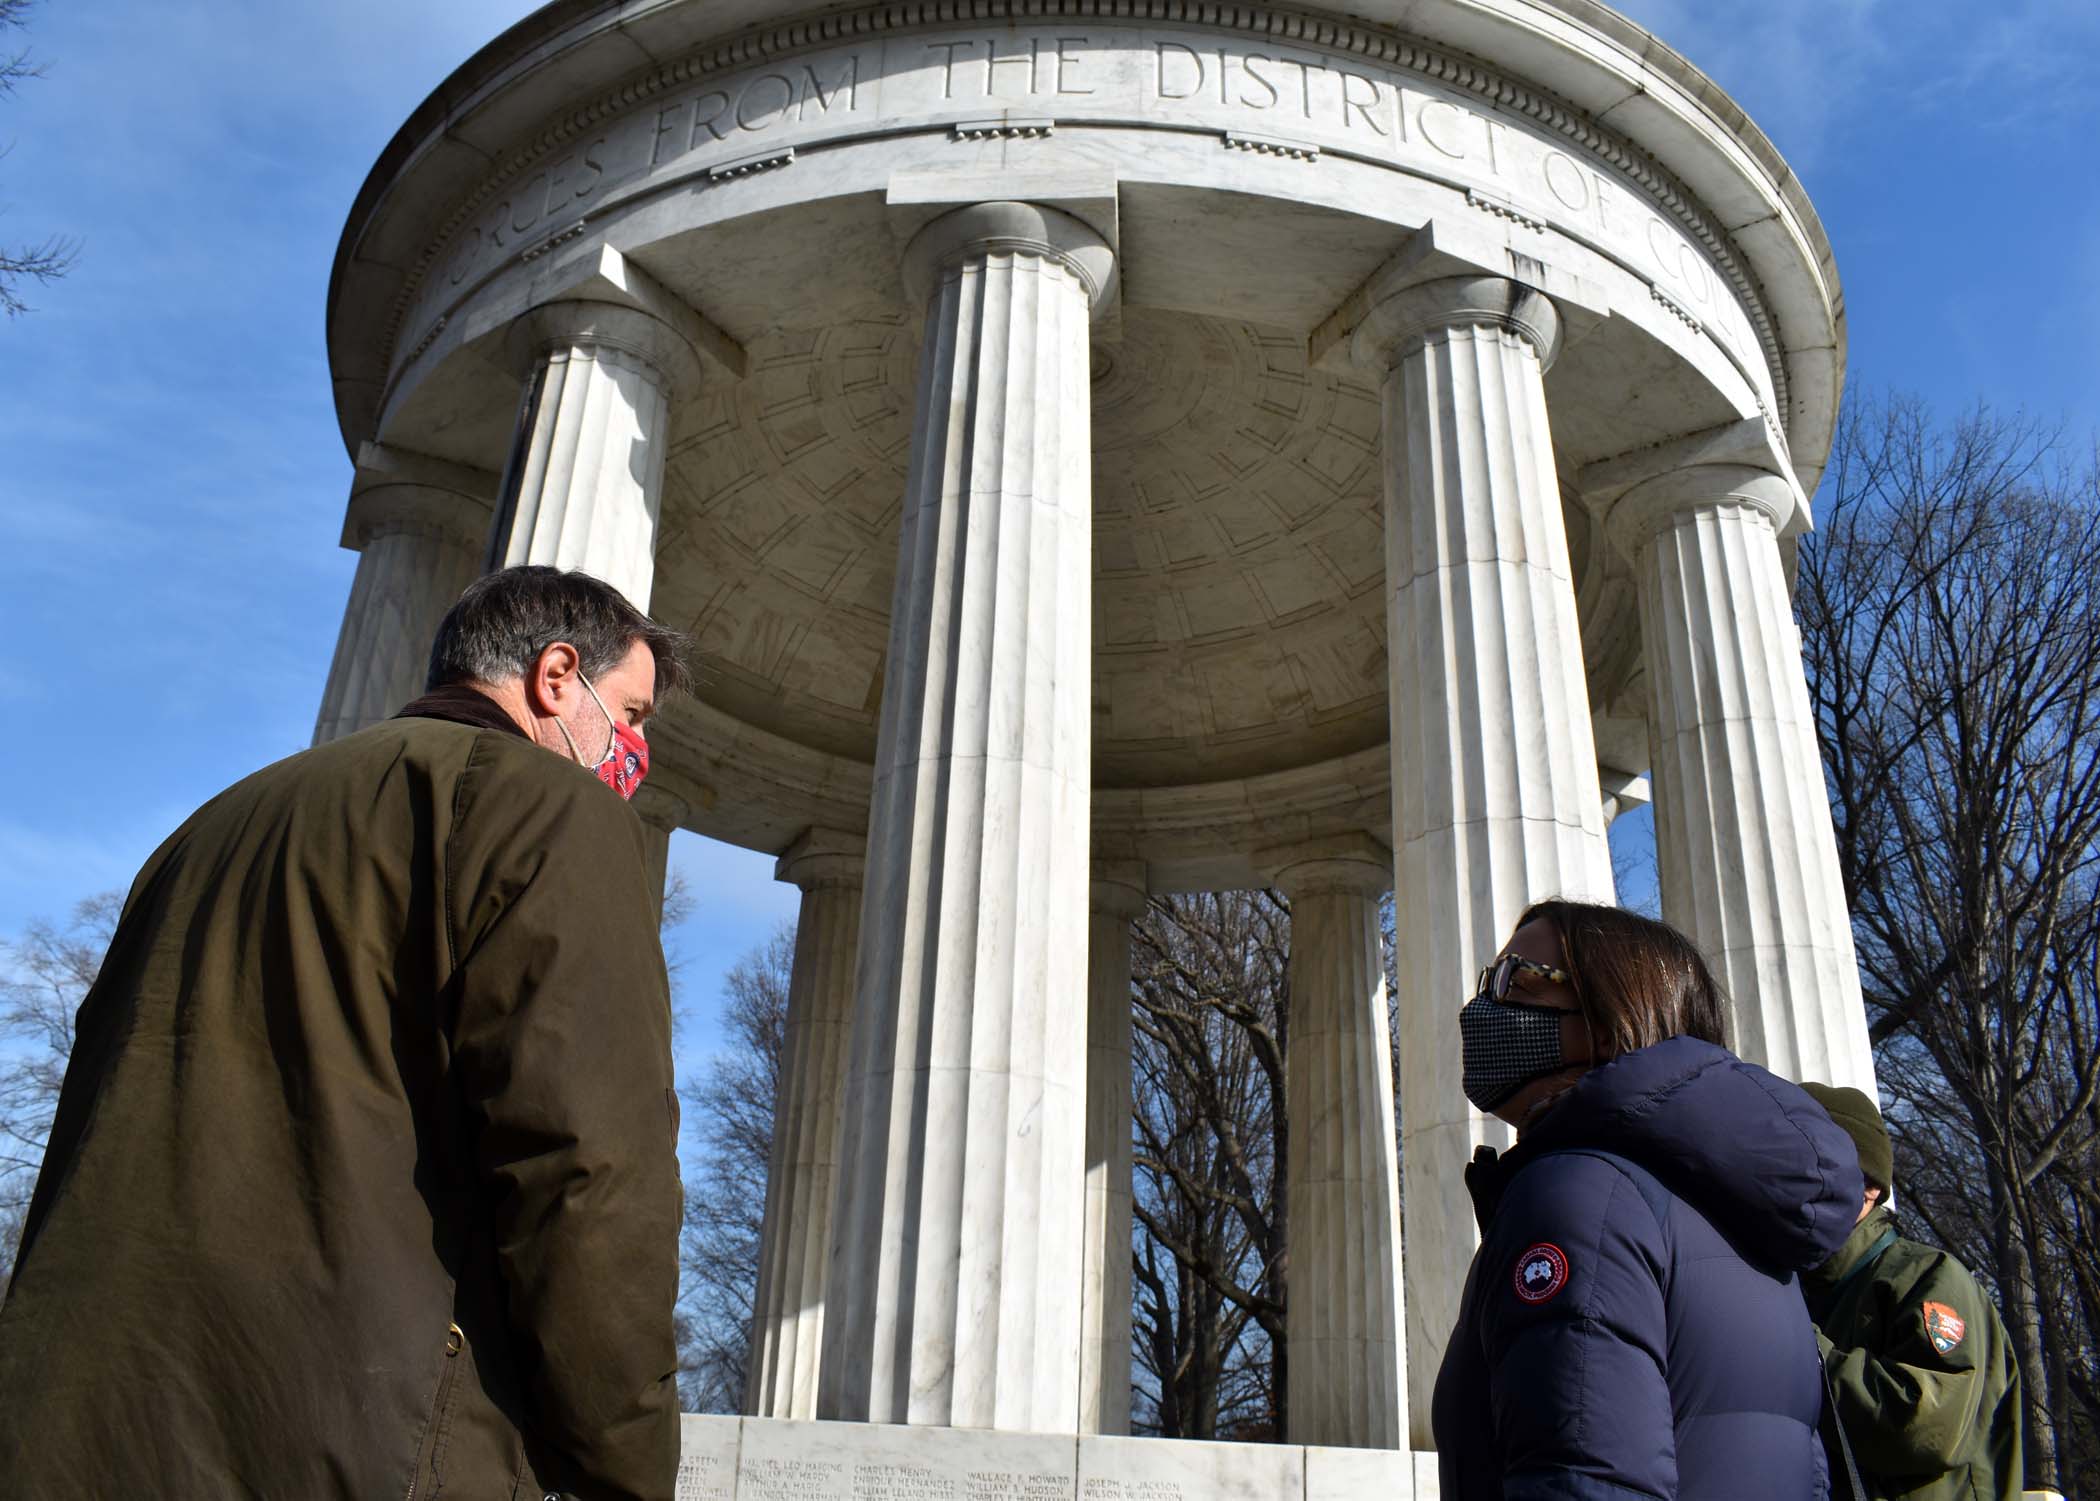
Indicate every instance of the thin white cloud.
{"type": "Point", "coordinates": [44, 873]}
{"type": "Point", "coordinates": [1796, 66]}
{"type": "Point", "coordinates": [2030, 62]}
{"type": "Point", "coordinates": [1803, 67]}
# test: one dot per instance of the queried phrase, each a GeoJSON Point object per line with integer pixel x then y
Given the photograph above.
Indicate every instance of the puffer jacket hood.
{"type": "Point", "coordinates": [1756, 1155]}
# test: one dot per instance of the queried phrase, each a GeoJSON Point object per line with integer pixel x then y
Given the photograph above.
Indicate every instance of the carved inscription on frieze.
{"type": "Point", "coordinates": [1123, 74]}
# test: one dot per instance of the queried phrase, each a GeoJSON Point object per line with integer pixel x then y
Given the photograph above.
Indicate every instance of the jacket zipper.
{"type": "Point", "coordinates": [455, 1341]}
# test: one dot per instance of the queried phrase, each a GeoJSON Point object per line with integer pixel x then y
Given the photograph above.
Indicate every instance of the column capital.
{"type": "Point", "coordinates": [1117, 888]}
{"type": "Point", "coordinates": [1010, 228]}
{"type": "Point", "coordinates": [1402, 318]}
{"type": "Point", "coordinates": [660, 809]}
{"type": "Point", "coordinates": [1649, 506]}
{"type": "Point", "coordinates": [397, 490]}
{"type": "Point", "coordinates": [1343, 862]}
{"type": "Point", "coordinates": [823, 858]}
{"type": "Point", "coordinates": [665, 351]}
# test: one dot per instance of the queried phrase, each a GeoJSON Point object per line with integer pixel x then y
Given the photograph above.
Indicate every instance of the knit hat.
{"type": "Point", "coordinates": [1861, 1120]}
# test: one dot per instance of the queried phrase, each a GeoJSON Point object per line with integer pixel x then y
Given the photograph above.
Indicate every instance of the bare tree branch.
{"type": "Point", "coordinates": [44, 976]}
{"type": "Point", "coordinates": [729, 1111]}
{"type": "Point", "coordinates": [53, 257]}
{"type": "Point", "coordinates": [1952, 639]}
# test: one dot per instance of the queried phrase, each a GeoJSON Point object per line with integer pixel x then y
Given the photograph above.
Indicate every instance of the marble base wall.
{"type": "Point", "coordinates": [768, 1459]}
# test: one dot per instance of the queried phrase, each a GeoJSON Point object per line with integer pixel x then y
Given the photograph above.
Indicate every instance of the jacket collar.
{"type": "Point", "coordinates": [1857, 1245]}
{"type": "Point", "coordinates": [461, 704]}
{"type": "Point", "coordinates": [1488, 1174]}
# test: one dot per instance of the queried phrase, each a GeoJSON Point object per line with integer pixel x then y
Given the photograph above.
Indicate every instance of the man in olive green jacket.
{"type": "Point", "coordinates": [1926, 1385]}
{"type": "Point", "coordinates": [363, 1183]}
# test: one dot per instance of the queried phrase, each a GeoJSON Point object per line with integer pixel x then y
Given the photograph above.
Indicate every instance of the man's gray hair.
{"type": "Point", "coordinates": [499, 627]}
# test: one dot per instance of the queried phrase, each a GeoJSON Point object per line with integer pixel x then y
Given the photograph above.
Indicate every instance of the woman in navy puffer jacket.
{"type": "Point", "coordinates": [1631, 1325]}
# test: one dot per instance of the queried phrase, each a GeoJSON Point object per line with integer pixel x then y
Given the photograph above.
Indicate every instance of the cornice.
{"type": "Point", "coordinates": [1390, 48]}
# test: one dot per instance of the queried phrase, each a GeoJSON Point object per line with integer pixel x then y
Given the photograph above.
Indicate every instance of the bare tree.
{"type": "Point", "coordinates": [1209, 1031]}
{"type": "Point", "coordinates": [730, 1112]}
{"type": "Point", "coordinates": [54, 257]}
{"type": "Point", "coordinates": [1952, 637]}
{"type": "Point", "coordinates": [47, 974]}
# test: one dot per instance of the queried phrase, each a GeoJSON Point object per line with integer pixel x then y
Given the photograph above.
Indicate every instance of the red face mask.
{"type": "Point", "coordinates": [626, 759]}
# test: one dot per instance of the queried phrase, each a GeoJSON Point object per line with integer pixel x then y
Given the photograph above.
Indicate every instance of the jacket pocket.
{"type": "Point", "coordinates": [427, 1480]}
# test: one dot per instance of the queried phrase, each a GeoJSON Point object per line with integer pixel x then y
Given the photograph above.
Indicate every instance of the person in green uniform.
{"type": "Point", "coordinates": [1926, 1385]}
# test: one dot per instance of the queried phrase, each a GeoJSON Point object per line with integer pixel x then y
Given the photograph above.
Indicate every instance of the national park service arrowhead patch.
{"type": "Point", "coordinates": [1943, 1326]}
{"type": "Point", "coordinates": [1541, 1272]}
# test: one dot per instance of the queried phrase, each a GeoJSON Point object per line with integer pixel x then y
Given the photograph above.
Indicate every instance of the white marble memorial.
{"type": "Point", "coordinates": [1151, 438]}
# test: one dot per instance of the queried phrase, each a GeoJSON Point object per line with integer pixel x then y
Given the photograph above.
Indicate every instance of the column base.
{"type": "Point", "coordinates": [755, 1459]}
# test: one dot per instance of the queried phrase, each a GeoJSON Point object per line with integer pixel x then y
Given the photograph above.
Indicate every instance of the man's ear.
{"type": "Point", "coordinates": [551, 683]}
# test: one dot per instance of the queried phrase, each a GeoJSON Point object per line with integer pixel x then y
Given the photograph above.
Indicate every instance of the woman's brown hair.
{"type": "Point", "coordinates": [1637, 981]}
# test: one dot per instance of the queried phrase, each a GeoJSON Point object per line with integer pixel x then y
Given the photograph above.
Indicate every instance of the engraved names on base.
{"type": "Point", "coordinates": [707, 1455]}
{"type": "Point", "coordinates": [1155, 1469]}
{"type": "Point", "coordinates": [788, 1461]}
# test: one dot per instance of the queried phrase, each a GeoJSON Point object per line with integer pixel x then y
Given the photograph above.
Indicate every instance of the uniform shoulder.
{"type": "Point", "coordinates": [1922, 1271]}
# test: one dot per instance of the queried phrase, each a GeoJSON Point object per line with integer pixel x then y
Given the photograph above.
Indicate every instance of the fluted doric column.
{"type": "Point", "coordinates": [787, 1323]}
{"type": "Point", "coordinates": [1348, 1360]}
{"type": "Point", "coordinates": [1495, 797]}
{"type": "Point", "coordinates": [663, 813]}
{"type": "Point", "coordinates": [1743, 839]}
{"type": "Point", "coordinates": [419, 526]}
{"type": "Point", "coordinates": [960, 1210]}
{"type": "Point", "coordinates": [1118, 900]}
{"type": "Point", "coordinates": [587, 467]}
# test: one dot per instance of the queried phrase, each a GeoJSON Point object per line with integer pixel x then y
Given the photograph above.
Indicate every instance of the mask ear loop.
{"type": "Point", "coordinates": [612, 736]}
{"type": "Point", "coordinates": [574, 754]}
{"type": "Point", "coordinates": [563, 725]}
{"type": "Point", "coordinates": [612, 726]}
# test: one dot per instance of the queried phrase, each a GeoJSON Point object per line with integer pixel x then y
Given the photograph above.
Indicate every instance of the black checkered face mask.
{"type": "Point", "coordinates": [1506, 1044]}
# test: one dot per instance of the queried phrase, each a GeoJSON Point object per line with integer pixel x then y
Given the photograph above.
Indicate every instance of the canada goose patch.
{"type": "Point", "coordinates": [1541, 1272]}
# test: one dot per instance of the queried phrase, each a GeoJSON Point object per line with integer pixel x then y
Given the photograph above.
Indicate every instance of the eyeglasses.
{"type": "Point", "coordinates": [1496, 979]}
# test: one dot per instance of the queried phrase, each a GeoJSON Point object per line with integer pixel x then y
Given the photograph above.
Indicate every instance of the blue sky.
{"type": "Point", "coordinates": [172, 481]}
